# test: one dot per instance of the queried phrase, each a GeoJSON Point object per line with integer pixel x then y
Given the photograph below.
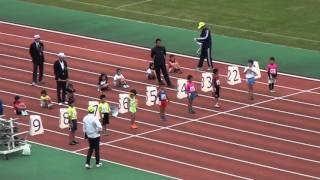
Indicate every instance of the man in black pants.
{"type": "Point", "coordinates": [92, 128]}
{"type": "Point", "coordinates": [158, 54]}
{"type": "Point", "coordinates": [206, 45]}
{"type": "Point", "coordinates": [36, 52]}
{"type": "Point", "coordinates": [60, 69]}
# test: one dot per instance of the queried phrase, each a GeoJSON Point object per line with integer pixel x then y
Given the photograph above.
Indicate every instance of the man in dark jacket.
{"type": "Point", "coordinates": [60, 69]}
{"type": "Point", "coordinates": [36, 51]}
{"type": "Point", "coordinates": [158, 54]}
{"type": "Point", "coordinates": [206, 45]}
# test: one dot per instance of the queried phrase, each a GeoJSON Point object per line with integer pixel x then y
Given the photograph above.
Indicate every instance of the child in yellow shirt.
{"type": "Point", "coordinates": [45, 100]}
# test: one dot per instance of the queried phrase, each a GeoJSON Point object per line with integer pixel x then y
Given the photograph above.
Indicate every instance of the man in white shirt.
{"type": "Point", "coordinates": [92, 128]}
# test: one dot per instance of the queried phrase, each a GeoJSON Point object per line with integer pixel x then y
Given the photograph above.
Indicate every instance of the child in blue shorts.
{"type": "Point", "coordinates": [250, 76]}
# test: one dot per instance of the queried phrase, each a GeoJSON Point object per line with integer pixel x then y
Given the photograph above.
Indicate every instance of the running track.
{"type": "Point", "coordinates": [272, 137]}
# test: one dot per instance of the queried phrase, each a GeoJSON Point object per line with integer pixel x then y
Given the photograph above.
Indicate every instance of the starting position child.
{"type": "Point", "coordinates": [19, 107]}
{"type": "Point", "coordinates": [163, 99]}
{"type": "Point", "coordinates": [72, 117]}
{"type": "Point", "coordinates": [104, 110]}
{"type": "Point", "coordinates": [272, 70]}
{"type": "Point", "coordinates": [151, 73]}
{"type": "Point", "coordinates": [45, 100]}
{"type": "Point", "coordinates": [133, 106]}
{"type": "Point", "coordinates": [192, 93]}
{"type": "Point", "coordinates": [119, 80]}
{"type": "Point", "coordinates": [70, 93]}
{"type": "Point", "coordinates": [216, 87]}
{"type": "Point", "coordinates": [174, 66]}
{"type": "Point", "coordinates": [103, 84]}
{"type": "Point", "coordinates": [250, 76]}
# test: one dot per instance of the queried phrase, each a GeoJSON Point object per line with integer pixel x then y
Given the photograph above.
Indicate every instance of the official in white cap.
{"type": "Point", "coordinates": [36, 52]}
{"type": "Point", "coordinates": [61, 74]}
{"type": "Point", "coordinates": [205, 42]}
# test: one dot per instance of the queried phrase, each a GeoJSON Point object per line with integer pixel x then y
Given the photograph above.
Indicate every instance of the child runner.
{"type": "Point", "coordinates": [133, 105]}
{"type": "Point", "coordinates": [250, 76]}
{"type": "Point", "coordinates": [216, 87]}
{"type": "Point", "coordinates": [103, 84]}
{"type": "Point", "coordinates": [174, 66]}
{"type": "Point", "coordinates": [72, 116]}
{"type": "Point", "coordinates": [19, 107]}
{"type": "Point", "coordinates": [163, 99]}
{"type": "Point", "coordinates": [151, 72]}
{"type": "Point", "coordinates": [192, 94]}
{"type": "Point", "coordinates": [104, 110]}
{"type": "Point", "coordinates": [272, 70]}
{"type": "Point", "coordinates": [119, 80]}
{"type": "Point", "coordinates": [70, 93]}
{"type": "Point", "coordinates": [45, 100]}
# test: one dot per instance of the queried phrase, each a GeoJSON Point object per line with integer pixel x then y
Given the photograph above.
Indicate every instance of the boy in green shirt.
{"type": "Point", "coordinates": [72, 116]}
{"type": "Point", "coordinates": [104, 110]}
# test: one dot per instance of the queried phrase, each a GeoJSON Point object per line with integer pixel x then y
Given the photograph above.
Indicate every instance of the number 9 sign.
{"type": "Point", "coordinates": [36, 126]}
{"type": "Point", "coordinates": [233, 77]}
{"type": "Point", "coordinates": [151, 98]}
{"type": "Point", "coordinates": [123, 103]}
{"type": "Point", "coordinates": [182, 92]}
{"type": "Point", "coordinates": [206, 83]}
{"type": "Point", "coordinates": [63, 121]}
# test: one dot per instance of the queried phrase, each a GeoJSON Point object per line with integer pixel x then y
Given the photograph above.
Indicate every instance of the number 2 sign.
{"type": "Point", "coordinates": [233, 77]}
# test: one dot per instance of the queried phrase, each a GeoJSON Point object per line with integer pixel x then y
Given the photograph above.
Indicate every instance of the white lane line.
{"type": "Point", "coordinates": [142, 48]}
{"type": "Point", "coordinates": [148, 154]}
{"type": "Point", "coordinates": [188, 120]}
{"type": "Point", "coordinates": [245, 104]}
{"type": "Point", "coordinates": [132, 4]}
{"type": "Point", "coordinates": [195, 21]}
{"type": "Point", "coordinates": [143, 71]}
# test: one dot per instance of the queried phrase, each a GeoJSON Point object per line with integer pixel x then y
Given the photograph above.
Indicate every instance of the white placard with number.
{"type": "Point", "coordinates": [233, 77]}
{"type": "Point", "coordinates": [95, 104]}
{"type": "Point", "coordinates": [36, 126]}
{"type": "Point", "coordinates": [151, 96]}
{"type": "Point", "coordinates": [63, 121]}
{"type": "Point", "coordinates": [182, 92]}
{"type": "Point", "coordinates": [123, 103]}
{"type": "Point", "coordinates": [257, 69]}
{"type": "Point", "coordinates": [206, 83]}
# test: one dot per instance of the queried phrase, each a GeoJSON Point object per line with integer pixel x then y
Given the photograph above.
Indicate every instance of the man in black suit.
{"type": "Point", "coordinates": [36, 51]}
{"type": "Point", "coordinates": [60, 69]}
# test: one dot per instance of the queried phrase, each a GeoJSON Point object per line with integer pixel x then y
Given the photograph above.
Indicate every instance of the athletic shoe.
{"type": "Point", "coordinates": [217, 106]}
{"type": "Point", "coordinates": [33, 84]}
{"type": "Point", "coordinates": [72, 143]}
{"type": "Point", "coordinates": [209, 69]}
{"type": "Point", "coordinates": [199, 68]}
{"type": "Point", "coordinates": [273, 91]}
{"type": "Point", "coordinates": [66, 102]}
{"type": "Point", "coordinates": [77, 142]}
{"type": "Point", "coordinates": [60, 103]}
{"type": "Point", "coordinates": [99, 165]}
{"type": "Point", "coordinates": [87, 166]}
{"type": "Point", "coordinates": [134, 126]}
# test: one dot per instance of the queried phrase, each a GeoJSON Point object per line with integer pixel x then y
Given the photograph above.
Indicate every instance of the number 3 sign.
{"type": "Point", "coordinates": [233, 77]}
{"type": "Point", "coordinates": [36, 126]}
{"type": "Point", "coordinates": [206, 83]}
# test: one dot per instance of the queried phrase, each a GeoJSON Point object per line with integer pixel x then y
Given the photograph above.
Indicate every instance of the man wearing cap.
{"type": "Point", "coordinates": [36, 52]}
{"type": "Point", "coordinates": [206, 45]}
{"type": "Point", "coordinates": [61, 74]}
{"type": "Point", "coordinates": [92, 128]}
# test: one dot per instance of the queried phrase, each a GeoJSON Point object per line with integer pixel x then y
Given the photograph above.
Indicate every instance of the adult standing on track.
{"type": "Point", "coordinates": [92, 128]}
{"type": "Point", "coordinates": [61, 74]}
{"type": "Point", "coordinates": [36, 51]}
{"type": "Point", "coordinates": [158, 54]}
{"type": "Point", "coordinates": [206, 45]}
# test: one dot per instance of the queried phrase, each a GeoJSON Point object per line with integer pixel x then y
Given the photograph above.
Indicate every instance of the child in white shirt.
{"type": "Point", "coordinates": [119, 80]}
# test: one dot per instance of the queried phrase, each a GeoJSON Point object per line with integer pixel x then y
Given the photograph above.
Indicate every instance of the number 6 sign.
{"type": "Point", "coordinates": [206, 83]}
{"type": "Point", "coordinates": [63, 121]}
{"type": "Point", "coordinates": [233, 77]}
{"type": "Point", "coordinates": [36, 126]}
{"type": "Point", "coordinates": [123, 103]}
{"type": "Point", "coordinates": [152, 95]}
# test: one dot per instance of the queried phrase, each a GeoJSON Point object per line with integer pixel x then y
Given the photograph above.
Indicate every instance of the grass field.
{"type": "Point", "coordinates": [288, 22]}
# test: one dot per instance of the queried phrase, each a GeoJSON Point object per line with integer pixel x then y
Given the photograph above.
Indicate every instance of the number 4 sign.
{"type": "Point", "coordinates": [152, 95]}
{"type": "Point", "coordinates": [233, 77]}
{"type": "Point", "coordinates": [182, 92]}
{"type": "Point", "coordinates": [63, 121]}
{"type": "Point", "coordinates": [36, 126]}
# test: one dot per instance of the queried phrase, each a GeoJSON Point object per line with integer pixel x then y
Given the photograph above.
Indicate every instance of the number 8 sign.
{"type": "Point", "coordinates": [36, 126]}
{"type": "Point", "coordinates": [123, 103]}
{"type": "Point", "coordinates": [233, 77]}
{"type": "Point", "coordinates": [63, 121]}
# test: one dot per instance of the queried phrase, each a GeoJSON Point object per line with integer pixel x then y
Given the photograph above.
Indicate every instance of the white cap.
{"type": "Point", "coordinates": [61, 55]}
{"type": "Point", "coordinates": [37, 36]}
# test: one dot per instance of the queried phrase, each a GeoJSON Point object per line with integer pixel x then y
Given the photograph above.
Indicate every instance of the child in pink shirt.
{"type": "Point", "coordinates": [272, 69]}
{"type": "Point", "coordinates": [192, 93]}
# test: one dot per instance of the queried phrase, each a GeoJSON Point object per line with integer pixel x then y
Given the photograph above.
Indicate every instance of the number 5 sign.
{"type": "Point", "coordinates": [206, 83]}
{"type": "Point", "coordinates": [152, 95]}
{"type": "Point", "coordinates": [182, 92]}
{"type": "Point", "coordinates": [36, 126]}
{"type": "Point", "coordinates": [123, 103]}
{"type": "Point", "coordinates": [63, 121]}
{"type": "Point", "coordinates": [233, 77]}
